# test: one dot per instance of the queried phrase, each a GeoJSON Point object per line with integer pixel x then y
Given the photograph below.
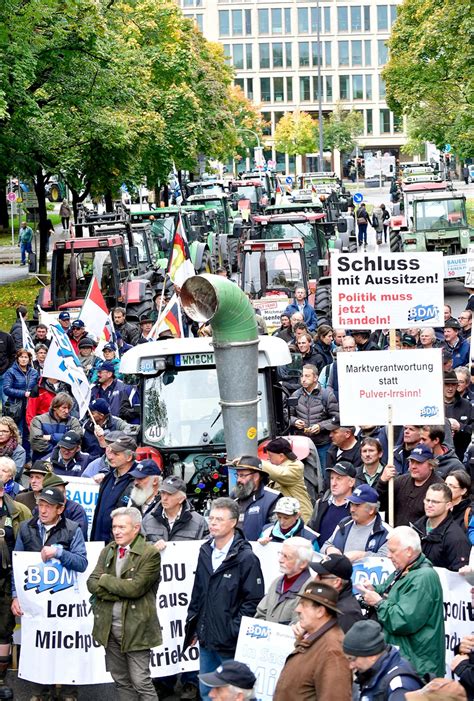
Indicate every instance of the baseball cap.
{"type": "Point", "coordinates": [338, 565]}
{"type": "Point", "coordinates": [322, 594]}
{"type": "Point", "coordinates": [71, 439]}
{"type": "Point", "coordinates": [78, 324]}
{"type": "Point", "coordinates": [336, 423]}
{"type": "Point", "coordinates": [344, 468]}
{"type": "Point", "coordinates": [100, 405]}
{"type": "Point", "coordinates": [64, 316]}
{"type": "Point", "coordinates": [110, 347]}
{"type": "Point", "coordinates": [363, 494]}
{"type": "Point", "coordinates": [107, 366]}
{"type": "Point", "coordinates": [288, 506]}
{"type": "Point", "coordinates": [42, 467]}
{"type": "Point", "coordinates": [230, 673]}
{"type": "Point", "coordinates": [113, 436]}
{"type": "Point", "coordinates": [408, 340]}
{"type": "Point", "coordinates": [173, 484]}
{"type": "Point", "coordinates": [52, 496]}
{"type": "Point", "coordinates": [145, 468]}
{"type": "Point", "coordinates": [281, 445]}
{"type": "Point", "coordinates": [123, 443]}
{"type": "Point", "coordinates": [421, 453]}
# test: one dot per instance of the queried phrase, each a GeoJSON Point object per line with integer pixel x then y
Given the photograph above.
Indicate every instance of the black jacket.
{"type": "Point", "coordinates": [349, 607]}
{"type": "Point", "coordinates": [446, 545]}
{"type": "Point", "coordinates": [319, 407]}
{"type": "Point", "coordinates": [459, 513]}
{"type": "Point", "coordinates": [322, 354]}
{"type": "Point", "coordinates": [462, 411]}
{"type": "Point", "coordinates": [7, 351]}
{"type": "Point", "coordinates": [220, 599]}
{"type": "Point", "coordinates": [258, 511]}
{"type": "Point", "coordinates": [448, 462]}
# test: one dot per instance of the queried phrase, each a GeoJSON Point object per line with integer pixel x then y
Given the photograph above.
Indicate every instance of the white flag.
{"type": "Point", "coordinates": [27, 341]}
{"type": "Point", "coordinates": [62, 363]}
{"type": "Point", "coordinates": [94, 311]}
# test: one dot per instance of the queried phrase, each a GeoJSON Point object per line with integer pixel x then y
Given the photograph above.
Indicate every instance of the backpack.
{"type": "Point", "coordinates": [375, 221]}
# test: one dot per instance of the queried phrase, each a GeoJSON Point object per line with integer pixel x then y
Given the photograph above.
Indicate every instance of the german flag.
{"type": "Point", "coordinates": [180, 266]}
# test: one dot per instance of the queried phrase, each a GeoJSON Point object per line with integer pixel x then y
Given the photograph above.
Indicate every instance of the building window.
{"type": "Point", "coordinates": [263, 25]}
{"type": "Point", "coordinates": [267, 121]}
{"type": "Point", "coordinates": [277, 21]}
{"type": "Point", "coordinates": [328, 88]}
{"type": "Point", "coordinates": [287, 20]}
{"type": "Point", "coordinates": [367, 52]}
{"type": "Point", "coordinates": [315, 53]}
{"type": "Point", "coordinates": [366, 18]}
{"type": "Point", "coordinates": [248, 22]}
{"type": "Point", "coordinates": [265, 95]}
{"type": "Point", "coordinates": [383, 52]}
{"type": "Point", "coordinates": [305, 90]}
{"type": "Point", "coordinates": [315, 19]}
{"type": "Point", "coordinates": [393, 14]}
{"type": "Point", "coordinates": [382, 18]}
{"type": "Point", "coordinates": [356, 18]}
{"type": "Point", "coordinates": [357, 87]}
{"type": "Point", "coordinates": [278, 95]}
{"type": "Point", "coordinates": [342, 19]}
{"type": "Point", "coordinates": [289, 89]}
{"type": "Point", "coordinates": [327, 20]}
{"type": "Point", "coordinates": [344, 87]}
{"type": "Point", "coordinates": [343, 53]}
{"type": "Point", "coordinates": [248, 56]}
{"type": "Point", "coordinates": [382, 89]}
{"type": "Point", "coordinates": [303, 52]}
{"type": "Point", "coordinates": [385, 121]}
{"type": "Point", "coordinates": [238, 56]}
{"type": "Point", "coordinates": [316, 88]}
{"type": "Point", "coordinates": [356, 50]}
{"type": "Point", "coordinates": [368, 87]}
{"type": "Point", "coordinates": [327, 53]}
{"type": "Point", "coordinates": [264, 55]}
{"type": "Point", "coordinates": [227, 54]}
{"type": "Point", "coordinates": [288, 54]}
{"type": "Point", "coordinates": [224, 27]}
{"type": "Point", "coordinates": [277, 55]}
{"type": "Point", "coordinates": [277, 116]}
{"type": "Point", "coordinates": [369, 122]}
{"type": "Point", "coordinates": [239, 82]}
{"type": "Point", "coordinates": [250, 88]}
{"type": "Point", "coordinates": [303, 27]}
{"type": "Point", "coordinates": [397, 123]}
{"type": "Point", "coordinates": [199, 22]}
{"type": "Point", "coordinates": [237, 26]}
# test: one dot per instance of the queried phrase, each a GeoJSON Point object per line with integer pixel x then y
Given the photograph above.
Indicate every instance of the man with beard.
{"type": "Point", "coordinates": [145, 493]}
{"type": "Point", "coordinates": [255, 500]}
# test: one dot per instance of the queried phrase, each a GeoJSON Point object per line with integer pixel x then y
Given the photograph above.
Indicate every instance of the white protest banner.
{"type": "Point", "coordinates": [393, 290]}
{"type": "Point", "coordinates": [264, 647]}
{"type": "Point", "coordinates": [271, 309]}
{"type": "Point", "coordinates": [375, 569]}
{"type": "Point", "coordinates": [411, 381]}
{"type": "Point", "coordinates": [455, 266]}
{"type": "Point", "coordinates": [56, 637]}
{"type": "Point", "coordinates": [84, 491]}
{"type": "Point", "coordinates": [469, 277]}
{"type": "Point", "coordinates": [458, 610]}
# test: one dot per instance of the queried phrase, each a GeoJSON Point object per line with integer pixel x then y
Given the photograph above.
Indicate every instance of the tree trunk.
{"type": "Point", "coordinates": [43, 216]}
{"type": "Point", "coordinates": [109, 203]}
{"type": "Point", "coordinates": [4, 219]}
{"type": "Point", "coordinates": [77, 199]}
{"type": "Point", "coordinates": [166, 195]}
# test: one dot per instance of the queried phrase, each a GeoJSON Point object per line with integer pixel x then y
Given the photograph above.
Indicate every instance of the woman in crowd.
{"type": "Point", "coordinates": [10, 444]}
{"type": "Point", "coordinates": [19, 381]}
{"type": "Point", "coordinates": [41, 351]}
{"type": "Point", "coordinates": [459, 483]}
{"type": "Point", "coordinates": [323, 346]}
{"type": "Point", "coordinates": [7, 475]}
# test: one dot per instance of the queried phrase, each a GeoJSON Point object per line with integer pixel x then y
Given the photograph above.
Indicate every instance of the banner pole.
{"type": "Point", "coordinates": [390, 437]}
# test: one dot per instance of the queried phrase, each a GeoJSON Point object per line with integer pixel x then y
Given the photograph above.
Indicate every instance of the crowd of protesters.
{"type": "Point", "coordinates": [322, 488]}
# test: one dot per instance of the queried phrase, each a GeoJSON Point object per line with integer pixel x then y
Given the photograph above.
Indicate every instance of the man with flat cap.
{"type": "Point", "coordinates": [287, 473]}
{"type": "Point", "coordinates": [333, 506]}
{"type": "Point", "coordinates": [381, 672]}
{"type": "Point", "coordinates": [317, 668]}
{"type": "Point", "coordinates": [36, 473]}
{"type": "Point", "coordinates": [256, 501]}
{"type": "Point", "coordinates": [231, 681]}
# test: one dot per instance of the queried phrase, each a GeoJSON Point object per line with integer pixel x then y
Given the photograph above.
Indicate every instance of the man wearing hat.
{"type": "Point", "coordinates": [64, 321]}
{"type": "Point", "coordinates": [108, 387]}
{"type": "Point", "coordinates": [255, 499]}
{"type": "Point", "coordinates": [116, 486]}
{"type": "Point", "coordinates": [408, 341]}
{"type": "Point", "coordinates": [333, 506]}
{"type": "Point", "coordinates": [381, 672]}
{"type": "Point", "coordinates": [286, 473]}
{"type": "Point", "coordinates": [289, 524]}
{"type": "Point", "coordinates": [459, 413]}
{"type": "Point", "coordinates": [88, 359]}
{"type": "Point", "coordinates": [146, 325]}
{"type": "Point", "coordinates": [36, 473]}
{"type": "Point", "coordinates": [51, 535]}
{"type": "Point", "coordinates": [344, 445]}
{"type": "Point", "coordinates": [110, 354]}
{"type": "Point", "coordinates": [409, 489]}
{"type": "Point", "coordinates": [363, 533]}
{"type": "Point", "coordinates": [67, 457]}
{"type": "Point", "coordinates": [336, 570]}
{"type": "Point", "coordinates": [100, 465]}
{"type": "Point", "coordinates": [231, 681]}
{"type": "Point", "coordinates": [278, 604]}
{"type": "Point", "coordinates": [72, 510]}
{"type": "Point", "coordinates": [76, 333]}
{"type": "Point", "coordinates": [317, 668]}
{"type": "Point", "coordinates": [103, 423]}
{"type": "Point", "coordinates": [453, 343]}
{"type": "Point", "coordinates": [145, 492]}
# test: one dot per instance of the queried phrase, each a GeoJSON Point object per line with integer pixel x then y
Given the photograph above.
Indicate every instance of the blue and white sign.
{"type": "Point", "coordinates": [289, 180]}
{"type": "Point", "coordinates": [358, 197]}
{"type": "Point", "coordinates": [447, 148]}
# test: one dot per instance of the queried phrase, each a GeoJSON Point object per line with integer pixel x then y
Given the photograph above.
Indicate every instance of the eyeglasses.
{"type": "Point", "coordinates": [327, 576]}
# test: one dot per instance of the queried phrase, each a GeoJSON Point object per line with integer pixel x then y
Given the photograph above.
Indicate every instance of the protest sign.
{"type": "Point", "coordinates": [469, 276]}
{"type": "Point", "coordinates": [264, 647]}
{"type": "Point", "coordinates": [455, 266]}
{"type": "Point", "coordinates": [411, 381]}
{"type": "Point", "coordinates": [375, 569]}
{"type": "Point", "coordinates": [458, 610]}
{"type": "Point", "coordinates": [84, 491]}
{"type": "Point", "coordinates": [271, 309]}
{"type": "Point", "coordinates": [393, 290]}
{"type": "Point", "coordinates": [57, 622]}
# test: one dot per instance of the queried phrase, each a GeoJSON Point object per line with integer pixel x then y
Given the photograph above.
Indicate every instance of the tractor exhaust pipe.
{"type": "Point", "coordinates": [211, 298]}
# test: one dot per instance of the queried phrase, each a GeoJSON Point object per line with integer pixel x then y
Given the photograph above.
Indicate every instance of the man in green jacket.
{"type": "Point", "coordinates": [123, 587]}
{"type": "Point", "coordinates": [25, 237]}
{"type": "Point", "coordinates": [409, 604]}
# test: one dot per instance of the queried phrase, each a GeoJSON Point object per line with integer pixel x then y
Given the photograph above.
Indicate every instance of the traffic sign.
{"type": "Point", "coordinates": [11, 197]}
{"type": "Point", "coordinates": [289, 180]}
{"type": "Point", "coordinates": [358, 197]}
{"type": "Point", "coordinates": [447, 148]}
{"type": "Point", "coordinates": [271, 164]}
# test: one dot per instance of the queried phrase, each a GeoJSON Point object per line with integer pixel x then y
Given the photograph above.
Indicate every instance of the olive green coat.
{"type": "Point", "coordinates": [136, 588]}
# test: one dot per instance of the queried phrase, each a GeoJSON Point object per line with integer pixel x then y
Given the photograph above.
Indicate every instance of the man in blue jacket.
{"type": "Point", "coordinates": [255, 500]}
{"type": "Point", "coordinates": [301, 304]}
{"type": "Point", "coordinates": [228, 585]}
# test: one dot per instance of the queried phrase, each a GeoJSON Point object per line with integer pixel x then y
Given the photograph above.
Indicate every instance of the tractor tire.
{"type": "Point", "coordinates": [323, 306]}
{"type": "Point", "coordinates": [54, 194]}
{"type": "Point", "coordinates": [395, 242]}
{"type": "Point", "coordinates": [206, 263]}
{"type": "Point", "coordinates": [352, 247]}
{"type": "Point", "coordinates": [233, 247]}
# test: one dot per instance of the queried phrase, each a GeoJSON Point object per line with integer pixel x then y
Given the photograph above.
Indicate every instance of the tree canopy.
{"type": "Point", "coordinates": [295, 133]}
{"type": "Point", "coordinates": [342, 129]}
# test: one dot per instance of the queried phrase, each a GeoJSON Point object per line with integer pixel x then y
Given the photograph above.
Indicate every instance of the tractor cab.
{"type": "Point", "coordinates": [248, 197]}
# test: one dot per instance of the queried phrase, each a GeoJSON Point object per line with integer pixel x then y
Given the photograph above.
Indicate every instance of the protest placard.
{"type": "Point", "coordinates": [264, 647]}
{"type": "Point", "coordinates": [393, 290]}
{"type": "Point", "coordinates": [455, 266]}
{"type": "Point", "coordinates": [411, 381]}
{"type": "Point", "coordinates": [458, 610]}
{"type": "Point", "coordinates": [271, 308]}
{"type": "Point", "coordinates": [84, 491]}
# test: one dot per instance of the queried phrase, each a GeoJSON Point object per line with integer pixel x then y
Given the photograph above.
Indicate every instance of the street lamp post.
{"type": "Point", "coordinates": [259, 148]}
{"type": "Point", "coordinates": [320, 89]}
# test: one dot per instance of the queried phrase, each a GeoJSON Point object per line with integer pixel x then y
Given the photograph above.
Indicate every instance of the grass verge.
{"type": "Point", "coordinates": [13, 294]}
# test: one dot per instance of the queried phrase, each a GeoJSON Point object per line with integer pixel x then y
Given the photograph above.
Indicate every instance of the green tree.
{"type": "Point", "coordinates": [295, 133]}
{"type": "Point", "coordinates": [342, 129]}
{"type": "Point", "coordinates": [429, 74]}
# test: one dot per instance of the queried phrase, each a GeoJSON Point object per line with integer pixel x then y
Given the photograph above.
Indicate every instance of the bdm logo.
{"type": "Point", "coordinates": [49, 576]}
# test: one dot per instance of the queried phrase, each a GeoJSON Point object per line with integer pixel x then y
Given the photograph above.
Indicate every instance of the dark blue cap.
{"type": "Point", "coordinates": [421, 453]}
{"type": "Point", "coordinates": [100, 405]}
{"type": "Point", "coordinates": [64, 316]}
{"type": "Point", "coordinates": [108, 366]}
{"type": "Point", "coordinates": [78, 324]}
{"type": "Point", "coordinates": [145, 468]}
{"type": "Point", "coordinates": [363, 494]}
{"type": "Point", "coordinates": [230, 673]}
